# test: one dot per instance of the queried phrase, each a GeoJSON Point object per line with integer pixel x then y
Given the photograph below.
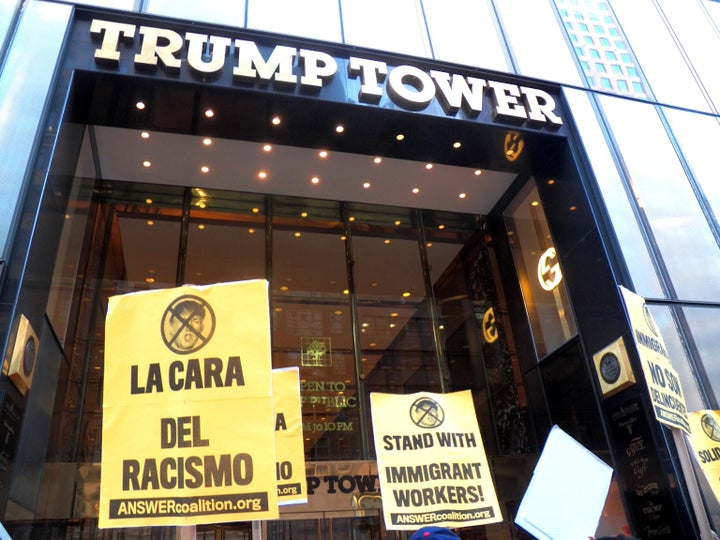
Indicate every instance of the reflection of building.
{"type": "Point", "coordinates": [390, 208]}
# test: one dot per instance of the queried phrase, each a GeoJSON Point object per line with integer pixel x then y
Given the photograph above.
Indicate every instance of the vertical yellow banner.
{"type": "Point", "coordinates": [289, 446]}
{"type": "Point", "coordinates": [188, 421]}
{"type": "Point", "coordinates": [705, 442]}
{"type": "Point", "coordinates": [431, 461]}
{"type": "Point", "coordinates": [662, 380]}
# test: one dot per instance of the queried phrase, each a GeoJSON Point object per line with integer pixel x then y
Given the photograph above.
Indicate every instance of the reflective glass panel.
{"type": "Point", "coordinates": [318, 20]}
{"type": "Point", "coordinates": [311, 323]}
{"type": "Point", "coordinates": [213, 11]}
{"type": "Point", "coordinates": [697, 135]}
{"type": "Point", "coordinates": [472, 39]}
{"type": "Point", "coordinates": [396, 338]}
{"type": "Point", "coordinates": [538, 266]}
{"type": "Point", "coordinates": [689, 250]}
{"type": "Point", "coordinates": [704, 324]}
{"type": "Point", "coordinates": [547, 58]}
{"type": "Point", "coordinates": [225, 237]}
{"type": "Point", "coordinates": [657, 52]}
{"type": "Point", "coordinates": [395, 26]}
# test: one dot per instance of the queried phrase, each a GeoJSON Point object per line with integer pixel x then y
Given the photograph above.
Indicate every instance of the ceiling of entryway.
{"type": "Point", "coordinates": [217, 163]}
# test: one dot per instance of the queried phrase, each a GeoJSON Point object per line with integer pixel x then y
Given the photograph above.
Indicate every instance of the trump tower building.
{"type": "Point", "coordinates": [443, 195]}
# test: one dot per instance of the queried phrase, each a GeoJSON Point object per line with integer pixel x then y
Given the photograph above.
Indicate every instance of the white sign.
{"type": "Point", "coordinates": [567, 492]}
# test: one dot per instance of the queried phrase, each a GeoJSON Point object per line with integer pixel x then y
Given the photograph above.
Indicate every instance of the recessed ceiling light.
{"type": "Point", "coordinates": [551, 182]}
{"type": "Point", "coordinates": [298, 235]}
{"type": "Point", "coordinates": [209, 113]}
{"type": "Point", "coordinates": [378, 160]}
{"type": "Point", "coordinates": [323, 154]}
{"type": "Point", "coordinates": [428, 166]}
{"type": "Point", "coordinates": [145, 135]}
{"type": "Point", "coordinates": [262, 175]}
{"type": "Point", "coordinates": [255, 210]}
{"type": "Point", "coordinates": [387, 241]}
{"type": "Point", "coordinates": [457, 144]}
{"type": "Point", "coordinates": [207, 141]}
{"type": "Point", "coordinates": [149, 280]}
{"type": "Point", "coordinates": [429, 244]}
{"type": "Point", "coordinates": [394, 314]}
{"type": "Point", "coordinates": [462, 195]}
{"type": "Point", "coordinates": [148, 201]}
{"type": "Point", "coordinates": [415, 190]}
{"type": "Point", "coordinates": [205, 168]}
{"type": "Point", "coordinates": [251, 231]}
{"type": "Point", "coordinates": [140, 105]}
{"type": "Point", "coordinates": [400, 136]}
{"type": "Point", "coordinates": [150, 222]}
{"type": "Point", "coordinates": [284, 287]}
{"type": "Point", "coordinates": [339, 128]}
{"type": "Point", "coordinates": [267, 148]}
{"type": "Point", "coordinates": [201, 227]}
{"type": "Point", "coordinates": [146, 163]}
{"type": "Point", "coordinates": [315, 180]}
{"type": "Point", "coordinates": [276, 121]}
{"type": "Point", "coordinates": [345, 291]}
{"type": "Point", "coordinates": [478, 172]}
{"type": "Point", "coordinates": [573, 208]}
{"type": "Point", "coordinates": [343, 238]}
{"type": "Point", "coordinates": [406, 294]}
{"type": "Point", "coordinates": [303, 214]}
{"type": "Point", "coordinates": [397, 222]}
{"type": "Point", "coordinates": [351, 218]}
{"type": "Point", "coordinates": [366, 185]}
{"type": "Point", "coordinates": [535, 203]}
{"type": "Point", "coordinates": [441, 227]}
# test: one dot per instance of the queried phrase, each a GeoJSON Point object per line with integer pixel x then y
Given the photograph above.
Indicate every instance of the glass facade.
{"type": "Point", "coordinates": [640, 81]}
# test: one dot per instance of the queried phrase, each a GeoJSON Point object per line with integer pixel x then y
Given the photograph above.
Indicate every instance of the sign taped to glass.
{"type": "Point", "coordinates": [179, 448]}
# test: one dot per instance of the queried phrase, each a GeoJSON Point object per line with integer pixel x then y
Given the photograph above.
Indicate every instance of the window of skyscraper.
{"type": "Point", "coordinates": [605, 82]}
{"type": "Point", "coordinates": [610, 55]}
{"type": "Point", "coordinates": [623, 85]}
{"type": "Point", "coordinates": [594, 53]}
{"type": "Point", "coordinates": [598, 29]}
{"type": "Point", "coordinates": [600, 68]}
{"type": "Point", "coordinates": [583, 27]}
{"type": "Point", "coordinates": [616, 68]}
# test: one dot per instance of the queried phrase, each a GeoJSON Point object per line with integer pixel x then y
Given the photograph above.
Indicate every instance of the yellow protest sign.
{"type": "Point", "coordinates": [188, 424]}
{"type": "Point", "coordinates": [705, 442]}
{"type": "Point", "coordinates": [431, 461]}
{"type": "Point", "coordinates": [662, 380]}
{"type": "Point", "coordinates": [290, 452]}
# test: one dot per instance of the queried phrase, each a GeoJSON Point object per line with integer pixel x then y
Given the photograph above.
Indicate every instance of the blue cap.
{"type": "Point", "coordinates": [434, 533]}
